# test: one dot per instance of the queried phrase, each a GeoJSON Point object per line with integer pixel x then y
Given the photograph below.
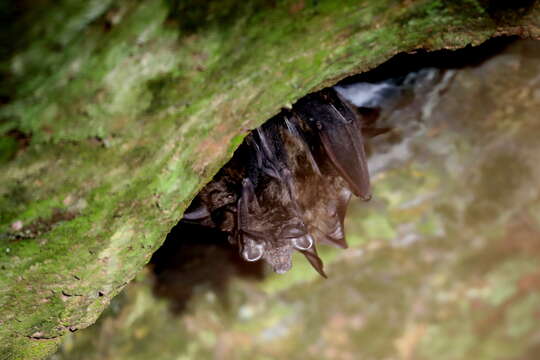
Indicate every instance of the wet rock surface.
{"type": "Point", "coordinates": [113, 115]}
{"type": "Point", "coordinates": [442, 264]}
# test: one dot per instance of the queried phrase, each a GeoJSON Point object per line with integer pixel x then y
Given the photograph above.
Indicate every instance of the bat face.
{"type": "Point", "coordinates": [288, 185]}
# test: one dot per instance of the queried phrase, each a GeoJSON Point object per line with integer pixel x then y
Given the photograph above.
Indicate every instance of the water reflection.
{"type": "Point", "coordinates": [443, 264]}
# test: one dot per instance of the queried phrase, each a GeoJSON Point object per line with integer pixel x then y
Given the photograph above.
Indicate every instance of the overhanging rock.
{"type": "Point", "coordinates": [115, 113]}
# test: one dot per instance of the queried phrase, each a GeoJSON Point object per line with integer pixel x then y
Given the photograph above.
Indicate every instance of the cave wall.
{"type": "Point", "coordinates": [114, 113]}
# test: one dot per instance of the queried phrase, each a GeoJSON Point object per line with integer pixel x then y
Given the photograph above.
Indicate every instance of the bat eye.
{"type": "Point", "coordinates": [303, 243]}
{"type": "Point", "coordinates": [252, 251]}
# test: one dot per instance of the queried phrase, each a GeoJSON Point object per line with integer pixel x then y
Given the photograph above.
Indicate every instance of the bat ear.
{"type": "Point", "coordinates": [315, 260]}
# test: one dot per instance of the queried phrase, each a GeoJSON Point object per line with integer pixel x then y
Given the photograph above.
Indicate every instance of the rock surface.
{"type": "Point", "coordinates": [114, 113]}
{"type": "Point", "coordinates": [443, 262]}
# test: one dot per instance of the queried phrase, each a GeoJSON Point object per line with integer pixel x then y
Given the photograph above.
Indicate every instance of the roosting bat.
{"type": "Point", "coordinates": [288, 185]}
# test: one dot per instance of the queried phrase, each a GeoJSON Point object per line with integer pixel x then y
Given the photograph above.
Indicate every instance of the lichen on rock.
{"type": "Point", "coordinates": [115, 113]}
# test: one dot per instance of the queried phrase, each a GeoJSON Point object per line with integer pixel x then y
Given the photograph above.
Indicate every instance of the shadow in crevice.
{"type": "Point", "coordinates": [192, 16]}
{"type": "Point", "coordinates": [195, 257]}
{"type": "Point", "coordinates": [504, 11]}
{"type": "Point", "coordinates": [402, 64]}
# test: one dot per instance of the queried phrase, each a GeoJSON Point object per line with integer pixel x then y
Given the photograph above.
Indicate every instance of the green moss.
{"type": "Point", "coordinates": [419, 280]}
{"type": "Point", "coordinates": [131, 110]}
{"type": "Point", "coordinates": [25, 348]}
{"type": "Point", "coordinates": [8, 148]}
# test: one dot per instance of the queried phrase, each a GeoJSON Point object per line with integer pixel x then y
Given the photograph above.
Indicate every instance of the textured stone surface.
{"type": "Point", "coordinates": [114, 113]}
{"type": "Point", "coordinates": [443, 262]}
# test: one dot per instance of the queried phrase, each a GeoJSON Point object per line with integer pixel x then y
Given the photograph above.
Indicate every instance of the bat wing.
{"type": "Point", "coordinates": [339, 132]}
{"type": "Point", "coordinates": [328, 224]}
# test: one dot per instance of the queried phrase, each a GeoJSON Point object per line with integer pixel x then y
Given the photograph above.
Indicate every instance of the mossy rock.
{"type": "Point", "coordinates": [115, 113]}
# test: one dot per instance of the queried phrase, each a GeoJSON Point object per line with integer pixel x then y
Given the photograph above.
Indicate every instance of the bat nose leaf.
{"type": "Point", "coordinates": [279, 258]}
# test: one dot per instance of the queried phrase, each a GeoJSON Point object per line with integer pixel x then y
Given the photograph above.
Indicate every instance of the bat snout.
{"type": "Point", "coordinates": [279, 258]}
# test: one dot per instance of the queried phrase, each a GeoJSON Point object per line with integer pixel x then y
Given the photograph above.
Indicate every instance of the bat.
{"type": "Point", "coordinates": [288, 185]}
